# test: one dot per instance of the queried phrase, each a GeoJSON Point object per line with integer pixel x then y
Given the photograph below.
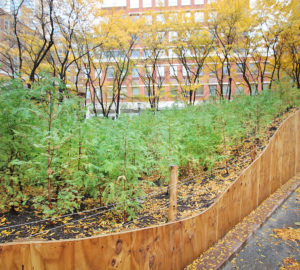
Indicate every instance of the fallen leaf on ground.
{"type": "Point", "coordinates": [288, 234]}
{"type": "Point", "coordinates": [290, 264]}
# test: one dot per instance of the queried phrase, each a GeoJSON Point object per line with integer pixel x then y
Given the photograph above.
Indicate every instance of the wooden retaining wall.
{"type": "Point", "coordinates": [173, 245]}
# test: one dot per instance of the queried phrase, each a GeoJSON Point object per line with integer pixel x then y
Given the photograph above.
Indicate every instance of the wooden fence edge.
{"type": "Point", "coordinates": [175, 244]}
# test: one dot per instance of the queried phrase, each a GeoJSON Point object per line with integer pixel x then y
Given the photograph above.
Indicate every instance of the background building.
{"type": "Point", "coordinates": [176, 79]}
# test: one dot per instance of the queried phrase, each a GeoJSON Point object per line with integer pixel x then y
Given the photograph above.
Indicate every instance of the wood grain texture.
{"type": "Point", "coordinates": [297, 124]}
{"type": "Point", "coordinates": [275, 164]}
{"type": "Point", "coordinates": [173, 245]}
{"type": "Point", "coordinates": [292, 148]}
{"type": "Point", "coordinates": [264, 176]}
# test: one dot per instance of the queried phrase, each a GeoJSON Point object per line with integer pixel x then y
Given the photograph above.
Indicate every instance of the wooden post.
{"type": "Point", "coordinates": [253, 152]}
{"type": "Point", "coordinates": [173, 193]}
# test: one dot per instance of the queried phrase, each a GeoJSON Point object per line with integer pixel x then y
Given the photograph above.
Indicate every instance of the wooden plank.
{"type": "Point", "coordinates": [49, 256]}
{"type": "Point", "coordinates": [249, 192]}
{"type": "Point", "coordinates": [192, 242]}
{"type": "Point", "coordinates": [280, 143]}
{"type": "Point", "coordinates": [143, 256]}
{"type": "Point", "coordinates": [15, 256]}
{"type": "Point", "coordinates": [177, 250]}
{"type": "Point", "coordinates": [285, 153]}
{"type": "Point", "coordinates": [297, 119]}
{"type": "Point", "coordinates": [275, 167]}
{"type": "Point", "coordinates": [209, 223]}
{"type": "Point", "coordinates": [264, 188]}
{"type": "Point", "coordinates": [292, 149]}
{"type": "Point", "coordinates": [229, 211]}
{"type": "Point", "coordinates": [173, 193]}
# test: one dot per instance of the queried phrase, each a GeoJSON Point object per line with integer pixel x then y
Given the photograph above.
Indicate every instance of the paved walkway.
{"type": "Point", "coordinates": [222, 253]}
{"type": "Point", "coordinates": [266, 250]}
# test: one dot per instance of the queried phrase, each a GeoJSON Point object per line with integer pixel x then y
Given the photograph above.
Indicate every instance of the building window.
{"type": "Point", "coordinates": [266, 85]}
{"type": "Point", "coordinates": [98, 72]}
{"type": "Point", "coordinates": [172, 36]}
{"type": "Point", "coordinates": [147, 3]}
{"type": "Point", "coordinates": [110, 72]}
{"type": "Point", "coordinates": [212, 90]}
{"type": "Point", "coordinates": [118, 54]}
{"type": "Point", "coordinates": [135, 73]}
{"type": "Point", "coordinates": [187, 15]}
{"type": "Point", "coordinates": [148, 71]}
{"type": "Point", "coordinates": [173, 17]}
{"type": "Point", "coordinates": [254, 89]}
{"type": "Point", "coordinates": [239, 68]}
{"type": "Point", "coordinates": [148, 19]}
{"type": "Point", "coordinates": [160, 18]}
{"type": "Point", "coordinates": [199, 17]}
{"type": "Point", "coordinates": [253, 68]}
{"type": "Point", "coordinates": [187, 53]}
{"type": "Point", "coordinates": [173, 71]}
{"type": "Point", "coordinates": [212, 72]}
{"type": "Point", "coordinates": [135, 91]}
{"type": "Point", "coordinates": [6, 25]}
{"type": "Point", "coordinates": [160, 71]}
{"type": "Point", "coordinates": [97, 91]}
{"type": "Point", "coordinates": [225, 70]}
{"type": "Point", "coordinates": [160, 35]}
{"type": "Point", "coordinates": [185, 72]}
{"type": "Point", "coordinates": [134, 3]}
{"type": "Point", "coordinates": [161, 53]}
{"type": "Point", "coordinates": [123, 92]}
{"type": "Point", "coordinates": [199, 91]}
{"type": "Point", "coordinates": [107, 54]}
{"type": "Point", "coordinates": [134, 17]}
{"type": "Point", "coordinates": [174, 91]}
{"type": "Point", "coordinates": [109, 92]}
{"type": "Point", "coordinates": [173, 3]}
{"type": "Point", "coordinates": [185, 2]}
{"type": "Point", "coordinates": [146, 92]}
{"type": "Point", "coordinates": [147, 53]}
{"type": "Point", "coordinates": [212, 16]}
{"type": "Point", "coordinates": [172, 53]}
{"type": "Point", "coordinates": [226, 89]}
{"type": "Point", "coordinates": [160, 3]}
{"type": "Point", "coordinates": [88, 94]}
{"type": "Point", "coordinates": [239, 90]}
{"type": "Point", "coordinates": [135, 53]}
{"type": "Point", "coordinates": [199, 2]}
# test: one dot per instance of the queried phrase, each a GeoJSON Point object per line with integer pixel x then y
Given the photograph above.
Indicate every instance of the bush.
{"type": "Point", "coordinates": [44, 141]}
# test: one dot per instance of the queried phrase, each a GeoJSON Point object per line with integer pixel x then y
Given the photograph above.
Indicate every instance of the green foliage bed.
{"type": "Point", "coordinates": [87, 156]}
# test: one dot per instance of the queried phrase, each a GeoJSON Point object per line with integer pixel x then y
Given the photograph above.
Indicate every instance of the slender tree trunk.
{"type": "Point", "coordinates": [49, 171]}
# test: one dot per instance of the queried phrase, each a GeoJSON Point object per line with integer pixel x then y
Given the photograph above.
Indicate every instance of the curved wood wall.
{"type": "Point", "coordinates": [173, 245]}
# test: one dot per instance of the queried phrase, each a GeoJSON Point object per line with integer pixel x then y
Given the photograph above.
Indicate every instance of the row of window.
{"type": "Point", "coordinates": [137, 53]}
{"type": "Point", "coordinates": [162, 3]}
{"type": "Point", "coordinates": [198, 17]}
{"type": "Point", "coordinates": [173, 71]}
{"type": "Point", "coordinates": [136, 91]}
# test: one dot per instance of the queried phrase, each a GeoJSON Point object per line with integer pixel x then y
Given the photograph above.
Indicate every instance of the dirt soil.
{"type": "Point", "coordinates": [197, 190]}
